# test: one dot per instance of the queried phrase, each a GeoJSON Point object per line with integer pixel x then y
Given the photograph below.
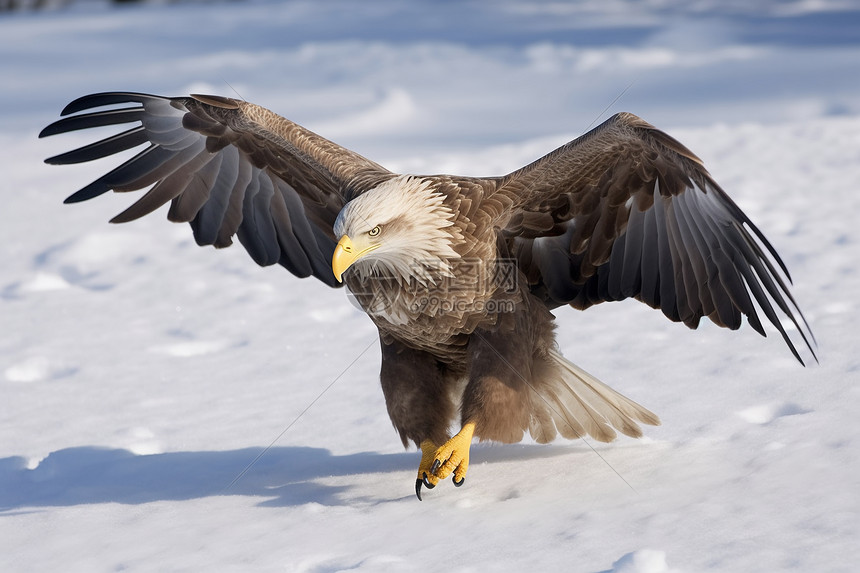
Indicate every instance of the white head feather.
{"type": "Point", "coordinates": [414, 242]}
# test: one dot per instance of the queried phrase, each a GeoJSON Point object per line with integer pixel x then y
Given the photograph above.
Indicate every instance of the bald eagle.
{"type": "Point", "coordinates": [459, 274]}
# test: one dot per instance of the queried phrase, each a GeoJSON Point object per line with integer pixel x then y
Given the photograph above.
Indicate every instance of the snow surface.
{"type": "Point", "coordinates": [170, 408]}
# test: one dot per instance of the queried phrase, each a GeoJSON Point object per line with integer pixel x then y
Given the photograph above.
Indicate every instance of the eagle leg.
{"type": "Point", "coordinates": [438, 463]}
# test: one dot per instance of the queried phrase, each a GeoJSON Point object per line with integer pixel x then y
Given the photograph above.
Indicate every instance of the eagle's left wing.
{"type": "Point", "coordinates": [627, 211]}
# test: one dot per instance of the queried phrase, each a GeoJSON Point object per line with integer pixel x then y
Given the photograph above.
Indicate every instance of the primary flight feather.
{"type": "Point", "coordinates": [459, 274]}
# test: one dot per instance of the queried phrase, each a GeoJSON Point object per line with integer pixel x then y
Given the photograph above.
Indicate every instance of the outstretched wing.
{"type": "Point", "coordinates": [628, 211]}
{"type": "Point", "coordinates": [228, 167]}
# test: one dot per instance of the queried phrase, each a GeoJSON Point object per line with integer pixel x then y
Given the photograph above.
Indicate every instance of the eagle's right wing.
{"type": "Point", "coordinates": [227, 167]}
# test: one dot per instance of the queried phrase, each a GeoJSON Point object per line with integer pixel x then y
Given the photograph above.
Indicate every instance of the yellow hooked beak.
{"type": "Point", "coordinates": [345, 254]}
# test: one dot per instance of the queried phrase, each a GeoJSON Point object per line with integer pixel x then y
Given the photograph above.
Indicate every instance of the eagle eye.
{"type": "Point", "coordinates": [374, 231]}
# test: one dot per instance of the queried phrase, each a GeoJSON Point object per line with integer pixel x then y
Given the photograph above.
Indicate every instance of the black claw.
{"type": "Point", "coordinates": [418, 489]}
{"type": "Point", "coordinates": [436, 464]}
{"type": "Point", "coordinates": [459, 483]}
{"type": "Point", "coordinates": [427, 484]}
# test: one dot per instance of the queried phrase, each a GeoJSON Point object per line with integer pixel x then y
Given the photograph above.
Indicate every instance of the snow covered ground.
{"type": "Point", "coordinates": [141, 376]}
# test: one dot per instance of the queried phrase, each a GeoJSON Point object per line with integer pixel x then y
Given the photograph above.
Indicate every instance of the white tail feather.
{"type": "Point", "coordinates": [580, 404]}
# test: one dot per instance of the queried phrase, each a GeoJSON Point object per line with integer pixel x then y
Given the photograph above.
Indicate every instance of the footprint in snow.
{"type": "Point", "coordinates": [767, 413]}
{"type": "Point", "coordinates": [38, 282]}
{"type": "Point", "coordinates": [641, 561]}
{"type": "Point", "coordinates": [191, 348]}
{"type": "Point", "coordinates": [36, 369]}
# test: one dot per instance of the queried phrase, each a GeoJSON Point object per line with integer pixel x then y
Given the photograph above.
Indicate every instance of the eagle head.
{"type": "Point", "coordinates": [400, 229]}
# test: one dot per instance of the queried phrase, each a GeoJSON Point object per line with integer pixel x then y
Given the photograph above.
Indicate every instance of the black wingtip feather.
{"type": "Point", "coordinates": [109, 146]}
{"type": "Point", "coordinates": [96, 119]}
{"type": "Point", "coordinates": [94, 189]}
{"type": "Point", "coordinates": [106, 98]}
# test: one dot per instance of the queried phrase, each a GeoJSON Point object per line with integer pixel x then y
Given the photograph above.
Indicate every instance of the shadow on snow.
{"type": "Point", "coordinates": [284, 476]}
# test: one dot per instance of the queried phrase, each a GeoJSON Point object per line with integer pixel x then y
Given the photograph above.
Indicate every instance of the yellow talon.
{"type": "Point", "coordinates": [425, 468]}
{"type": "Point", "coordinates": [453, 456]}
{"type": "Point", "coordinates": [438, 463]}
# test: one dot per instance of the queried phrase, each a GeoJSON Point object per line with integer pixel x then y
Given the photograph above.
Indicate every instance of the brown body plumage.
{"type": "Point", "coordinates": [459, 274]}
